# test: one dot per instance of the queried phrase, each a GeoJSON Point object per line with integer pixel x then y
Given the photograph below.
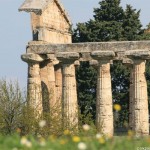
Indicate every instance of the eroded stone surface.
{"type": "Point", "coordinates": [34, 88]}
{"type": "Point", "coordinates": [69, 95]}
{"type": "Point", "coordinates": [49, 21]}
{"type": "Point", "coordinates": [85, 49]}
{"type": "Point", "coordinates": [104, 109]}
{"type": "Point", "coordinates": [32, 57]}
{"type": "Point", "coordinates": [139, 104]}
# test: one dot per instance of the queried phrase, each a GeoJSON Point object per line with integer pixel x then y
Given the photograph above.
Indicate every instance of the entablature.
{"type": "Point", "coordinates": [120, 48]}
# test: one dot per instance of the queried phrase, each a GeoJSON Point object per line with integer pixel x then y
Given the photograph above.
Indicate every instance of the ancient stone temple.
{"type": "Point", "coordinates": [52, 58]}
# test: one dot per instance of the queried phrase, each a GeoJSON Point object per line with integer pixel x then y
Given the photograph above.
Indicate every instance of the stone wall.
{"type": "Point", "coordinates": [51, 26]}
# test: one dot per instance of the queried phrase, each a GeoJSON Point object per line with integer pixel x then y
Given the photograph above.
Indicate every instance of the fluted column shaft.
{"type": "Point", "coordinates": [34, 82]}
{"type": "Point", "coordinates": [34, 87]}
{"type": "Point", "coordinates": [70, 106]}
{"type": "Point", "coordinates": [69, 91]}
{"type": "Point", "coordinates": [104, 111]}
{"type": "Point", "coordinates": [140, 99]}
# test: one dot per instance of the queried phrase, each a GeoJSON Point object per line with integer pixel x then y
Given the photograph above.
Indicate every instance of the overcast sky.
{"type": "Point", "coordinates": [15, 31]}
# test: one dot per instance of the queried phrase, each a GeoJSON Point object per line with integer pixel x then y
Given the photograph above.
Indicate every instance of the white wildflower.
{"type": "Point", "coordinates": [23, 140]}
{"type": "Point", "coordinates": [15, 148]}
{"type": "Point", "coordinates": [28, 144]}
{"type": "Point", "coordinates": [98, 135]}
{"type": "Point", "coordinates": [86, 127]}
{"type": "Point", "coordinates": [42, 143]}
{"type": "Point", "coordinates": [82, 146]}
{"type": "Point", "coordinates": [42, 123]}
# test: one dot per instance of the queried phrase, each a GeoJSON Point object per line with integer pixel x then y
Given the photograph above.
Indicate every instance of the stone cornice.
{"type": "Point", "coordinates": [85, 49]}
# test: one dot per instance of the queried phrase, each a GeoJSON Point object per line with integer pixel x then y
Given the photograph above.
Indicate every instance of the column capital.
{"type": "Point", "coordinates": [102, 55]}
{"type": "Point", "coordinates": [67, 57]}
{"type": "Point", "coordinates": [128, 62]}
{"type": "Point", "coordinates": [138, 54]}
{"type": "Point", "coordinates": [32, 58]}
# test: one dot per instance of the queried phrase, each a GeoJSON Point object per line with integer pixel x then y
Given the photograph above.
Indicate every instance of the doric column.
{"type": "Point", "coordinates": [139, 94]}
{"type": "Point", "coordinates": [69, 95]}
{"type": "Point", "coordinates": [104, 108]}
{"type": "Point", "coordinates": [34, 81]}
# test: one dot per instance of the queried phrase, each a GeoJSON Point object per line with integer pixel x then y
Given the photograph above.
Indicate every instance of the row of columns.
{"type": "Point", "coordinates": [138, 119]}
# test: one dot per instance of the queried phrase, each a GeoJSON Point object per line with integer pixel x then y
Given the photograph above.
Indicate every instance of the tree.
{"type": "Point", "coordinates": [86, 83]}
{"type": "Point", "coordinates": [106, 25]}
{"type": "Point", "coordinates": [131, 24]}
{"type": "Point", "coordinates": [110, 23]}
{"type": "Point", "coordinates": [146, 33]}
{"type": "Point", "coordinates": [12, 102]}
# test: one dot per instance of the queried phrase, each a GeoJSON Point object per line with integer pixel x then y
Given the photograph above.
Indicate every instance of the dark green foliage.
{"type": "Point", "coordinates": [148, 81]}
{"type": "Point", "coordinates": [106, 25]}
{"type": "Point", "coordinates": [120, 89]}
{"type": "Point", "coordinates": [146, 33]}
{"type": "Point", "coordinates": [131, 24]}
{"type": "Point", "coordinates": [110, 23]}
{"type": "Point", "coordinates": [86, 79]}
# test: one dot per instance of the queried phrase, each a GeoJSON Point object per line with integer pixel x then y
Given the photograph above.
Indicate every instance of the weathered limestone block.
{"type": "Point", "coordinates": [30, 57]}
{"type": "Point", "coordinates": [69, 97]}
{"type": "Point", "coordinates": [34, 82]}
{"type": "Point", "coordinates": [104, 108]}
{"type": "Point", "coordinates": [140, 99]}
{"type": "Point", "coordinates": [49, 20]}
{"type": "Point", "coordinates": [118, 47]}
{"type": "Point", "coordinates": [139, 93]}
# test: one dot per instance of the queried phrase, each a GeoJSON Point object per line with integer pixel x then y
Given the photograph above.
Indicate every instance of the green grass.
{"type": "Point", "coordinates": [68, 142]}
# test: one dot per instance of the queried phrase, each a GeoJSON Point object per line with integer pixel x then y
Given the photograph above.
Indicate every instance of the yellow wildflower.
{"type": "Point", "coordinates": [66, 132]}
{"type": "Point", "coordinates": [52, 138]}
{"type": "Point", "coordinates": [117, 107]}
{"type": "Point", "coordinates": [76, 139]}
{"type": "Point", "coordinates": [130, 133]}
{"type": "Point", "coordinates": [63, 142]}
{"type": "Point", "coordinates": [101, 140]}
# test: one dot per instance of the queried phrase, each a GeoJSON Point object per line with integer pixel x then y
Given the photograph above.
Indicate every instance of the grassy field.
{"type": "Point", "coordinates": [68, 142]}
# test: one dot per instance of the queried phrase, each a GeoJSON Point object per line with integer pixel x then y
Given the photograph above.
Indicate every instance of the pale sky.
{"type": "Point", "coordinates": [15, 31]}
